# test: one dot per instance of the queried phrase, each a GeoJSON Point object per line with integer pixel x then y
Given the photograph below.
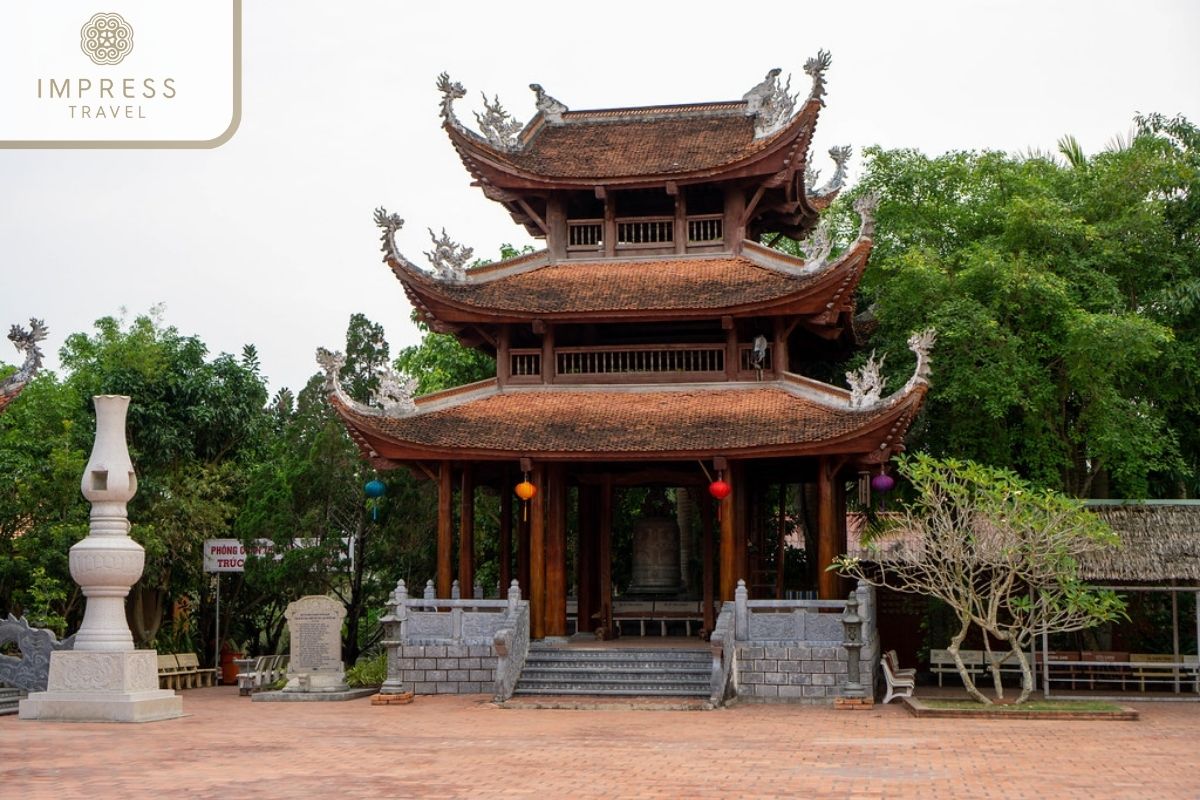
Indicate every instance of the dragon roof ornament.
{"type": "Point", "coordinates": [393, 397]}
{"type": "Point", "coordinates": [770, 103]}
{"type": "Point", "coordinates": [867, 382]}
{"type": "Point", "coordinates": [497, 125]}
{"type": "Point", "coordinates": [26, 342]}
{"type": "Point", "coordinates": [550, 108]}
{"type": "Point", "coordinates": [817, 247]}
{"type": "Point", "coordinates": [815, 67]}
{"type": "Point", "coordinates": [840, 156]}
{"type": "Point", "coordinates": [811, 176]}
{"type": "Point", "coordinates": [448, 257]}
{"type": "Point", "coordinates": [865, 207]}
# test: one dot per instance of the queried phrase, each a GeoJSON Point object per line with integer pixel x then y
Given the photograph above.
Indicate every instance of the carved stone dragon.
{"type": "Point", "coordinates": [31, 671]}
{"type": "Point", "coordinates": [770, 103]}
{"type": "Point", "coordinates": [26, 342]}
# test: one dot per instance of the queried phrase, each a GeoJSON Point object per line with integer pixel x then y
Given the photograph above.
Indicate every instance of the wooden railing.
{"type": "Point", "coordinates": [640, 359]}
{"type": "Point", "coordinates": [633, 232]}
{"type": "Point", "coordinates": [585, 234]}
{"type": "Point", "coordinates": [705, 228]}
{"type": "Point", "coordinates": [525, 365]}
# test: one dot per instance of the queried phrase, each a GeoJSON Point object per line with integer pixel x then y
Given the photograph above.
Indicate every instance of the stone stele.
{"type": "Point", "coordinates": [104, 679]}
{"type": "Point", "coordinates": [315, 631]}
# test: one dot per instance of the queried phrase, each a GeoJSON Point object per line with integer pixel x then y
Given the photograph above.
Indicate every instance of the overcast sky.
{"type": "Point", "coordinates": [269, 238]}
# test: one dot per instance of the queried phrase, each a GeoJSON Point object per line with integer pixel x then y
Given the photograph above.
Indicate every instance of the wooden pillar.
{"type": "Point", "coordinates": [537, 555]}
{"type": "Point", "coordinates": [506, 512]}
{"type": "Point", "coordinates": [828, 584]}
{"type": "Point", "coordinates": [466, 535]}
{"type": "Point", "coordinates": [706, 547]}
{"type": "Point", "coordinates": [727, 513]}
{"type": "Point", "coordinates": [556, 221]}
{"type": "Point", "coordinates": [742, 507]}
{"type": "Point", "coordinates": [681, 226]}
{"type": "Point", "coordinates": [604, 555]}
{"type": "Point", "coordinates": [732, 364]}
{"type": "Point", "coordinates": [445, 529]}
{"type": "Point", "coordinates": [610, 222]}
{"type": "Point", "coordinates": [503, 360]}
{"type": "Point", "coordinates": [779, 354]}
{"type": "Point", "coordinates": [523, 571]}
{"type": "Point", "coordinates": [556, 550]}
{"type": "Point", "coordinates": [548, 365]}
{"type": "Point", "coordinates": [585, 579]}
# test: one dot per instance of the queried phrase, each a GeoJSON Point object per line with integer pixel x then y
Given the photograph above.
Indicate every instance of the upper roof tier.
{"type": "Point", "coordinates": [766, 132]}
{"type": "Point", "coordinates": [754, 281]}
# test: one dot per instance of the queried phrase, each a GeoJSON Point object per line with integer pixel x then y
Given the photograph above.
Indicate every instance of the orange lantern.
{"type": "Point", "coordinates": [526, 490]}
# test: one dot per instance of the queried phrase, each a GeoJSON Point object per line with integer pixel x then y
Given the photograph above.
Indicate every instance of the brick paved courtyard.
{"type": "Point", "coordinates": [465, 747]}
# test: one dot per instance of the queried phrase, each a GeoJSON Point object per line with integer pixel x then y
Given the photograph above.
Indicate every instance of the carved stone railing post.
{"type": "Point", "coordinates": [478, 593]}
{"type": "Point", "coordinates": [430, 591]}
{"type": "Point", "coordinates": [852, 623]}
{"type": "Point", "coordinates": [394, 633]}
{"type": "Point", "coordinates": [455, 591]}
{"type": "Point", "coordinates": [514, 594]}
{"type": "Point", "coordinates": [741, 612]}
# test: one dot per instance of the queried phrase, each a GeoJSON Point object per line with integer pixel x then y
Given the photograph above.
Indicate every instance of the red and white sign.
{"type": "Point", "coordinates": [229, 555]}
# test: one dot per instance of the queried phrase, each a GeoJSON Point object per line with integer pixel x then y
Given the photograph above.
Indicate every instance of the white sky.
{"type": "Point", "coordinates": [269, 238]}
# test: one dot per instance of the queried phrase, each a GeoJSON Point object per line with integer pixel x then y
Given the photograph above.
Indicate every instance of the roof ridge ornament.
{"type": "Point", "coordinates": [817, 247]}
{"type": "Point", "coordinates": [451, 91]}
{"type": "Point", "coordinates": [865, 206]}
{"type": "Point", "coordinates": [866, 383]}
{"type": "Point", "coordinates": [815, 67]}
{"type": "Point", "coordinates": [498, 126]}
{"type": "Point", "coordinates": [550, 108]}
{"type": "Point", "coordinates": [393, 397]}
{"type": "Point", "coordinates": [388, 224]}
{"type": "Point", "coordinates": [840, 155]}
{"type": "Point", "coordinates": [26, 342]}
{"type": "Point", "coordinates": [449, 258]}
{"type": "Point", "coordinates": [770, 103]}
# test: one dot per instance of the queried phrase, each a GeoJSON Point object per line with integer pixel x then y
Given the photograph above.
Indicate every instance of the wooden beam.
{"type": "Point", "coordinates": [556, 550]}
{"type": "Point", "coordinates": [537, 555]}
{"type": "Point", "coordinates": [445, 529]}
{"type": "Point", "coordinates": [828, 585]}
{"type": "Point", "coordinates": [533, 215]}
{"type": "Point", "coordinates": [706, 548]}
{"type": "Point", "coordinates": [506, 513]}
{"type": "Point", "coordinates": [466, 535]}
{"type": "Point", "coordinates": [604, 557]}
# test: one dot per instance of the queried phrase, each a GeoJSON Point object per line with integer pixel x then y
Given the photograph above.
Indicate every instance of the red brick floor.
{"type": "Point", "coordinates": [465, 747]}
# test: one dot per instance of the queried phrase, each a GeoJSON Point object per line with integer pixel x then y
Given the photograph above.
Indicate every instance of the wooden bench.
{"type": "Point", "coordinates": [170, 676]}
{"type": "Point", "coordinates": [1151, 667]}
{"type": "Point", "coordinates": [1104, 666]}
{"type": "Point", "coordinates": [662, 612]}
{"type": "Point", "coordinates": [193, 673]}
{"type": "Point", "coordinates": [1060, 665]}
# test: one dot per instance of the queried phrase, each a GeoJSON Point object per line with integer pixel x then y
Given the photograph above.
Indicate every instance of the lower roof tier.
{"type": "Point", "coordinates": [790, 416]}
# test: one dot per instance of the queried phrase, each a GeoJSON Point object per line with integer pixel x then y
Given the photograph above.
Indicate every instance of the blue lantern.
{"type": "Point", "coordinates": [374, 490]}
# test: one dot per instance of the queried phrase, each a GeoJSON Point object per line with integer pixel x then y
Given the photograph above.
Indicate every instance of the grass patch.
{"type": "Point", "coordinates": [1096, 706]}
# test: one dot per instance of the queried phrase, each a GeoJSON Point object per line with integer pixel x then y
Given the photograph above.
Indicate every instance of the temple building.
{"type": "Point", "coordinates": [657, 341]}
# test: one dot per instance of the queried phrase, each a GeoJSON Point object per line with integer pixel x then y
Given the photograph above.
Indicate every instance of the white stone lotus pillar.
{"type": "Point", "coordinates": [104, 679]}
{"type": "Point", "coordinates": [107, 562]}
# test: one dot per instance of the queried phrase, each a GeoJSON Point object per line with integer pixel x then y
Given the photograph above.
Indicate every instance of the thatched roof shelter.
{"type": "Point", "coordinates": [1160, 543]}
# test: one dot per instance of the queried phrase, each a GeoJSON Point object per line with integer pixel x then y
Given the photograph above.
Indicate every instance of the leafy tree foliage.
{"type": "Point", "coordinates": [1066, 296]}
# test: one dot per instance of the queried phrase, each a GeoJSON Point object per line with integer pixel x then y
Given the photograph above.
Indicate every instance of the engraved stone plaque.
{"type": "Point", "coordinates": [315, 630]}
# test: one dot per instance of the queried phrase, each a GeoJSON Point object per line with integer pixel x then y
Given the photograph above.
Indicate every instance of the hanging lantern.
{"type": "Point", "coordinates": [719, 489]}
{"type": "Point", "coordinates": [525, 490]}
{"type": "Point", "coordinates": [374, 490]}
{"type": "Point", "coordinates": [883, 483]}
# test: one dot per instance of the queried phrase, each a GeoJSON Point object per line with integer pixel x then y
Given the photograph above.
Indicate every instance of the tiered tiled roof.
{"type": "Point", "coordinates": [792, 415]}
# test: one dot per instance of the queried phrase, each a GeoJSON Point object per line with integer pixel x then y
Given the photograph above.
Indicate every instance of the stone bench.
{"type": "Point", "coordinates": [183, 671]}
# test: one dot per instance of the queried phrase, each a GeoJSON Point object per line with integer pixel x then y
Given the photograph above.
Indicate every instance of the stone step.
{"type": "Point", "coordinates": [624, 664]}
{"type": "Point", "coordinates": [576, 654]}
{"type": "Point", "coordinates": [614, 676]}
{"type": "Point", "coordinates": [597, 689]}
{"type": "Point", "coordinates": [8, 700]}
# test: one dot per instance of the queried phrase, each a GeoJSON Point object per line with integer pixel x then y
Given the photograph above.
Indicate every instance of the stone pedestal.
{"type": "Point", "coordinates": [104, 679]}
{"type": "Point", "coordinates": [108, 686]}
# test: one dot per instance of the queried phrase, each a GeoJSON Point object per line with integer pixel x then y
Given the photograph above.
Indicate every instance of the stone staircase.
{"type": "Point", "coordinates": [633, 672]}
{"type": "Point", "coordinates": [8, 700]}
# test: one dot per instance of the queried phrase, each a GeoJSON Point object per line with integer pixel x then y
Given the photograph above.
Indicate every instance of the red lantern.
{"type": "Point", "coordinates": [526, 490]}
{"type": "Point", "coordinates": [719, 489]}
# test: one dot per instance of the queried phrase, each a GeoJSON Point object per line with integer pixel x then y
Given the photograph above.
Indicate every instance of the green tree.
{"type": "Point", "coordinates": [1065, 299]}
{"type": "Point", "coordinates": [1002, 554]}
